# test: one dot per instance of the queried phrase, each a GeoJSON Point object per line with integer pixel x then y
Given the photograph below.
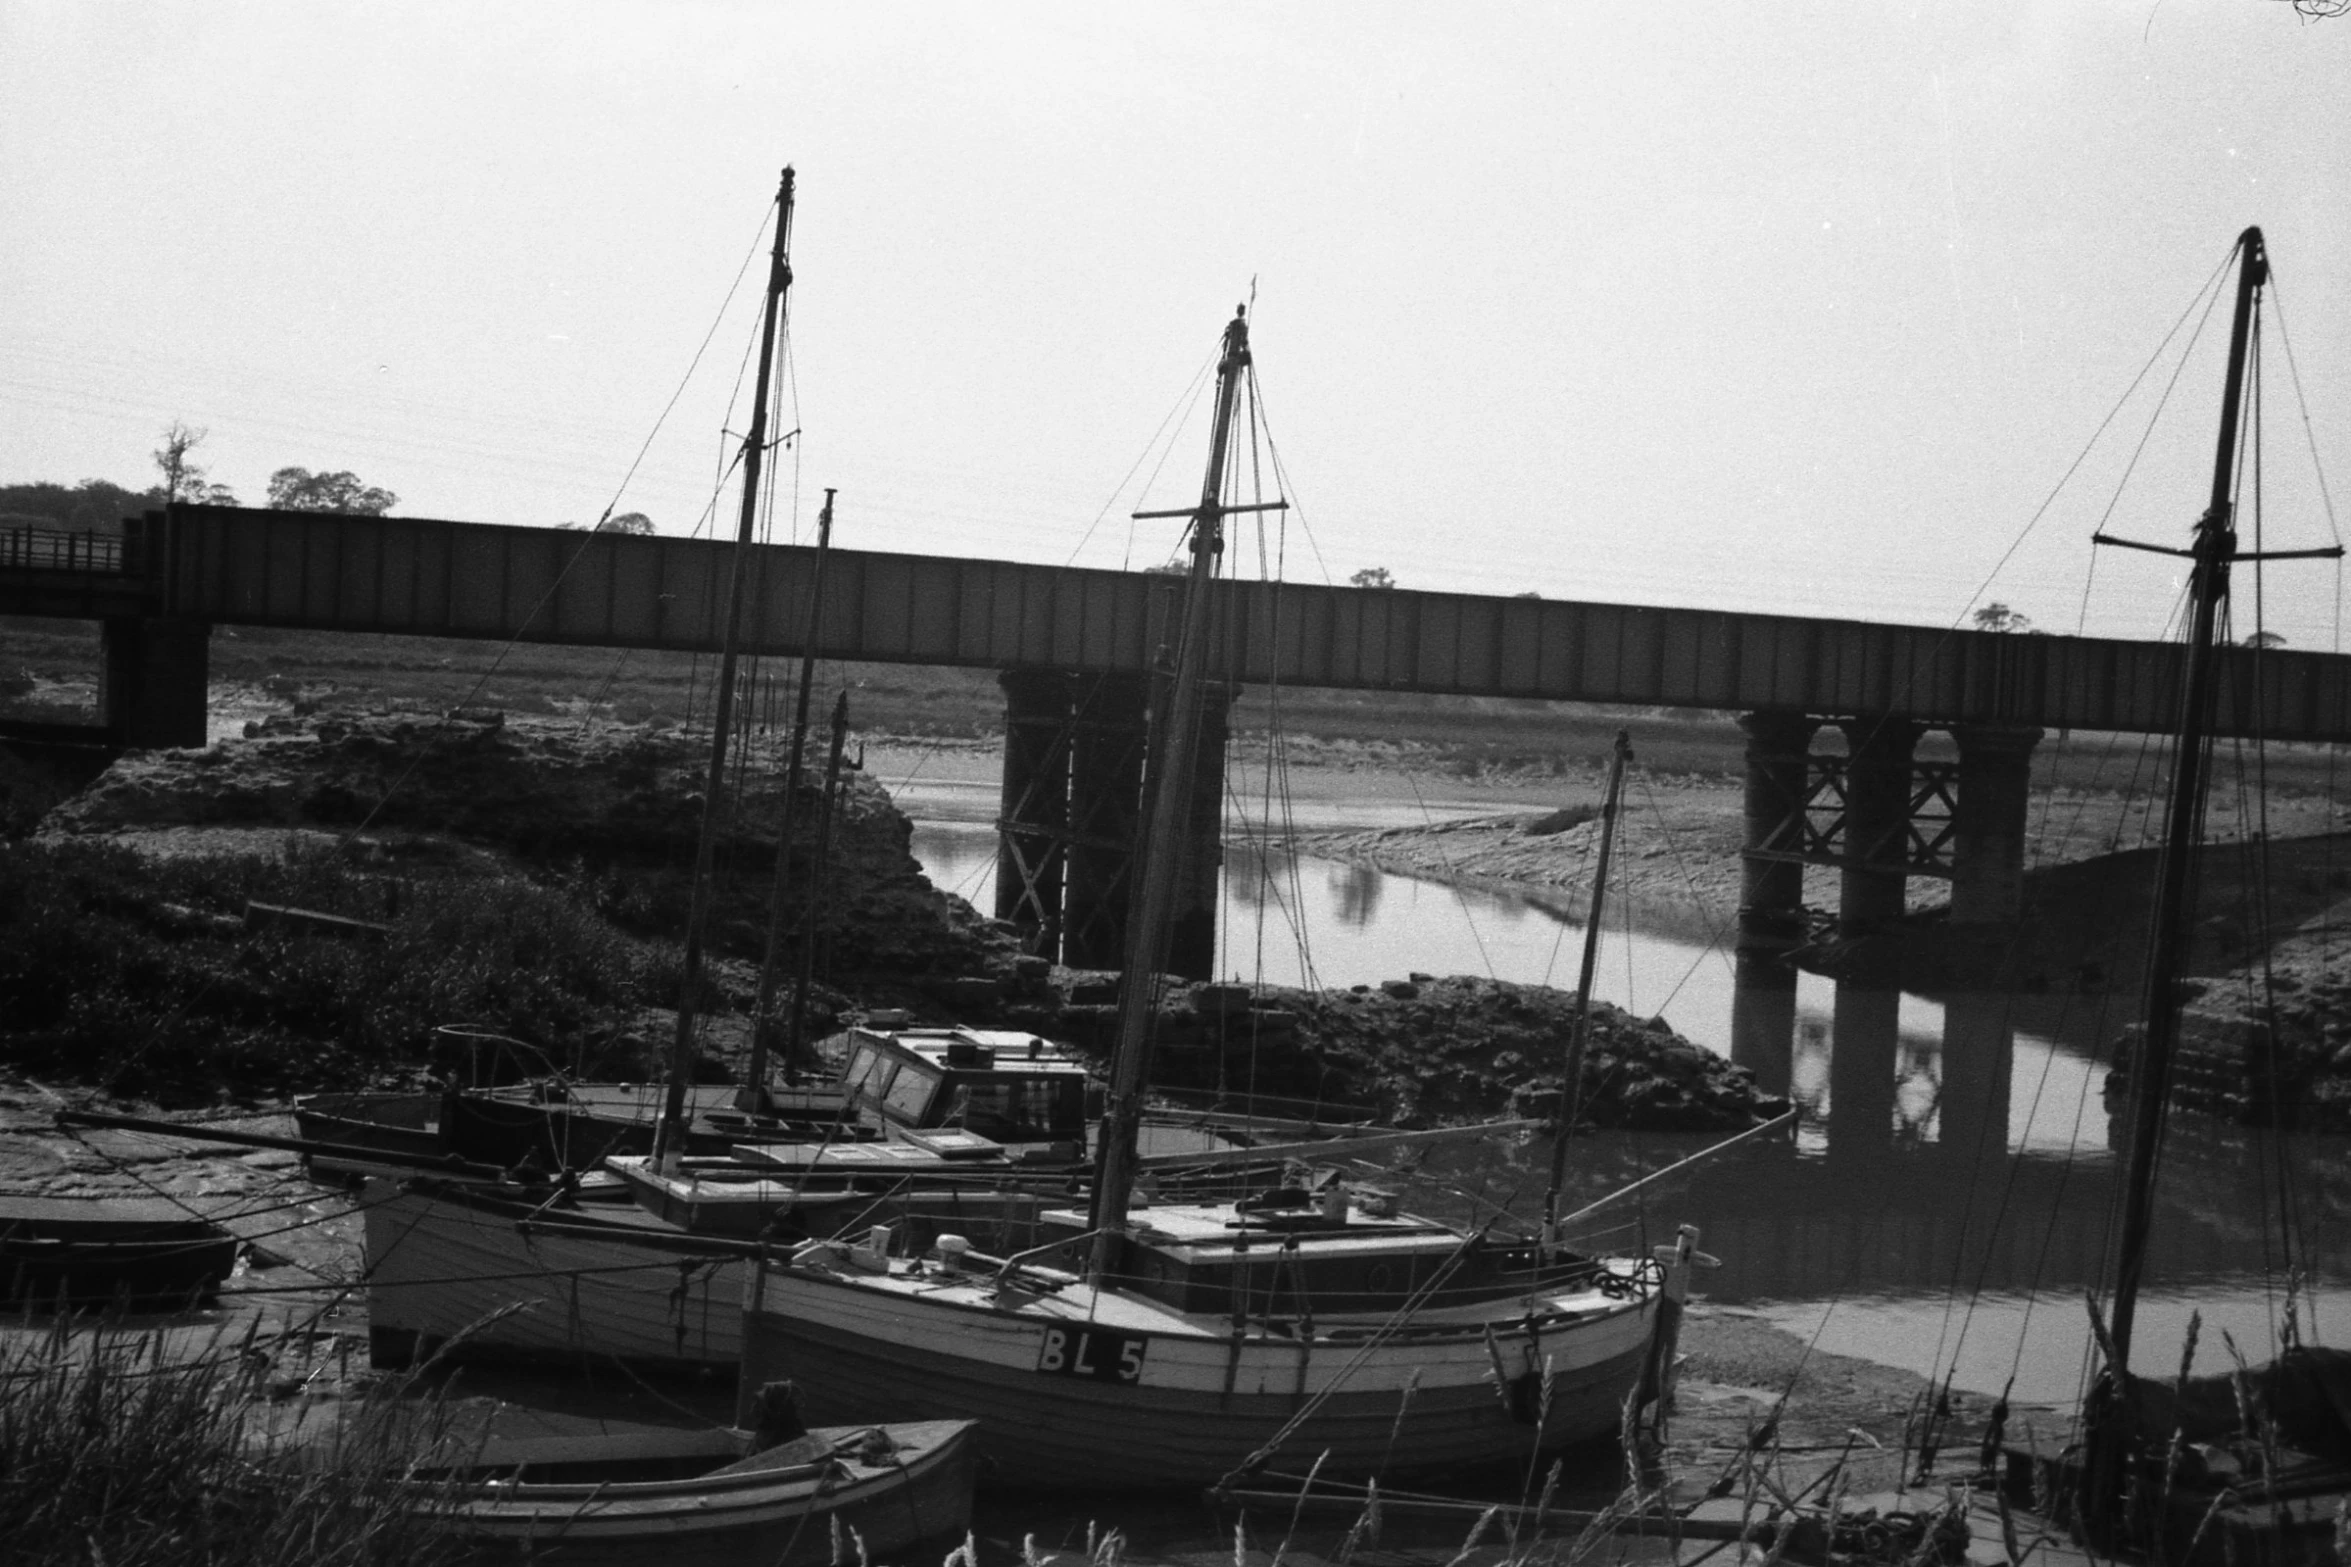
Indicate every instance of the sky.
{"type": "Point", "coordinates": [1801, 308]}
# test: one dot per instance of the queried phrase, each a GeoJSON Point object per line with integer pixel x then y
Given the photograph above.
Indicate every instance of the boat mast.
{"type": "Point", "coordinates": [1175, 735]}
{"type": "Point", "coordinates": [751, 1098]}
{"type": "Point", "coordinates": [670, 1135]}
{"type": "Point", "coordinates": [2215, 548]}
{"type": "Point", "coordinates": [1571, 1084]}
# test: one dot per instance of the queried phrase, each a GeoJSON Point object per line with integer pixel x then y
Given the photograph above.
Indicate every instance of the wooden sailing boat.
{"type": "Point", "coordinates": [2145, 1478]}
{"type": "Point", "coordinates": [1176, 1345]}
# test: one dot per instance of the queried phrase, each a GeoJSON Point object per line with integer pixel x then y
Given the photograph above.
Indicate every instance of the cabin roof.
{"type": "Point", "coordinates": [1009, 1050]}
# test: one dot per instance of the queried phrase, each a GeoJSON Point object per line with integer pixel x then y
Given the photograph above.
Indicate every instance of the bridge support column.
{"type": "Point", "coordinates": [1107, 734]}
{"type": "Point", "coordinates": [152, 690]}
{"type": "Point", "coordinates": [1192, 943]}
{"type": "Point", "coordinates": [1988, 822]}
{"type": "Point", "coordinates": [1877, 824]}
{"type": "Point", "coordinates": [1032, 828]}
{"type": "Point", "coordinates": [1771, 897]}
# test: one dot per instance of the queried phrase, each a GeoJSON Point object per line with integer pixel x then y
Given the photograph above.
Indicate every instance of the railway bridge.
{"type": "Point", "coordinates": [1076, 649]}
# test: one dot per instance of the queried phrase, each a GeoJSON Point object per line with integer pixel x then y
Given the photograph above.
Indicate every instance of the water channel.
{"type": "Point", "coordinates": [1907, 1234]}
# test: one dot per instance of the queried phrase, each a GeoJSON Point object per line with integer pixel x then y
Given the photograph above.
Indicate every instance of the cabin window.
{"type": "Point", "coordinates": [1018, 1109]}
{"type": "Point", "coordinates": [909, 1094]}
{"type": "Point", "coordinates": [861, 1066]}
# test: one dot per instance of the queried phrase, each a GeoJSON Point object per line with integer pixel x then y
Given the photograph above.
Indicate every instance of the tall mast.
{"type": "Point", "coordinates": [2215, 548]}
{"type": "Point", "coordinates": [752, 1097]}
{"type": "Point", "coordinates": [1571, 1083]}
{"type": "Point", "coordinates": [670, 1136]}
{"type": "Point", "coordinates": [1176, 732]}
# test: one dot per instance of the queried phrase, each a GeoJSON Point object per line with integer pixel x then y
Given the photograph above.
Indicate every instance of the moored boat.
{"type": "Point", "coordinates": [1116, 1387]}
{"type": "Point", "coordinates": [1189, 1344]}
{"type": "Point", "coordinates": [711, 1498]}
{"type": "Point", "coordinates": [142, 1253]}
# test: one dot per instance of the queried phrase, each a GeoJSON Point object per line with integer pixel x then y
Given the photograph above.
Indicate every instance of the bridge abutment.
{"type": "Point", "coordinates": [154, 679]}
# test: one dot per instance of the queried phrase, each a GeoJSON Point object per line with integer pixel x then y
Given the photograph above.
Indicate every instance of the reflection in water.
{"type": "Point", "coordinates": [1355, 893]}
{"type": "Point", "coordinates": [1946, 1201]}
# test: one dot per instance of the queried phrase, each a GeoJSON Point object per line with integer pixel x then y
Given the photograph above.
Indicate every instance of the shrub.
{"type": "Point", "coordinates": [139, 976]}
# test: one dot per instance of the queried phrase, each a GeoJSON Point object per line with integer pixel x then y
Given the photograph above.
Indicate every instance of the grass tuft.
{"type": "Point", "coordinates": [112, 1453]}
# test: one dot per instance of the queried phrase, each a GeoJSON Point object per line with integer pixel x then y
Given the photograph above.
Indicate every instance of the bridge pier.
{"type": "Point", "coordinates": [1106, 742]}
{"type": "Point", "coordinates": [1988, 822]}
{"type": "Point", "coordinates": [1191, 950]}
{"type": "Point", "coordinates": [152, 686]}
{"type": "Point", "coordinates": [1072, 800]}
{"type": "Point", "coordinates": [1771, 896]}
{"type": "Point", "coordinates": [1872, 884]}
{"type": "Point", "coordinates": [1032, 844]}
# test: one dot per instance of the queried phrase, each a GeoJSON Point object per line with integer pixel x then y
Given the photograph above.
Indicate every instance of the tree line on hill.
{"type": "Point", "coordinates": [99, 505]}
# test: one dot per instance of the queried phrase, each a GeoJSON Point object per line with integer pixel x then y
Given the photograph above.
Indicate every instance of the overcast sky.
{"type": "Point", "coordinates": [1800, 308]}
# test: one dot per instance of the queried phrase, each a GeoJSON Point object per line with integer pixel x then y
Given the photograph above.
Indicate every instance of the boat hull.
{"type": "Point", "coordinates": [144, 1254]}
{"type": "Point", "coordinates": [749, 1514]}
{"type": "Point", "coordinates": [439, 1266]}
{"type": "Point", "coordinates": [1210, 1402]}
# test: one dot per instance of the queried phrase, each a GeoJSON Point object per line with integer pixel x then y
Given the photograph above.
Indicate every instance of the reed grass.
{"type": "Point", "coordinates": [115, 1453]}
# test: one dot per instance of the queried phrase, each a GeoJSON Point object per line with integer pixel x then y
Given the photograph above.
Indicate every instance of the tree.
{"type": "Point", "coordinates": [1999, 617]}
{"type": "Point", "coordinates": [298, 489]}
{"type": "Point", "coordinates": [626, 522]}
{"type": "Point", "coordinates": [183, 479]}
{"type": "Point", "coordinates": [2265, 639]}
{"type": "Point", "coordinates": [1528, 594]}
{"type": "Point", "coordinates": [1373, 577]}
{"type": "Point", "coordinates": [92, 506]}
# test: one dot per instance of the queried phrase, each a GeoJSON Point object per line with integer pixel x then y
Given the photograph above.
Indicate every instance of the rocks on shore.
{"type": "Point", "coordinates": [419, 796]}
{"type": "Point", "coordinates": [1413, 1051]}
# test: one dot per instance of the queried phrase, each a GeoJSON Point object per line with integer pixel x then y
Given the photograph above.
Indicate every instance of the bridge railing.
{"type": "Point", "coordinates": [60, 549]}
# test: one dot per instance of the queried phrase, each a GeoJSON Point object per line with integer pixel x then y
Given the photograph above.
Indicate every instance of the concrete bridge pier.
{"type": "Point", "coordinates": [152, 686]}
{"type": "Point", "coordinates": [1032, 826]}
{"type": "Point", "coordinates": [1106, 740]}
{"type": "Point", "coordinates": [1192, 943]}
{"type": "Point", "coordinates": [1771, 896]}
{"type": "Point", "coordinates": [1988, 822]}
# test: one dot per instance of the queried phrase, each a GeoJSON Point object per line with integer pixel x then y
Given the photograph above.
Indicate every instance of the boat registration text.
{"type": "Point", "coordinates": [1097, 1353]}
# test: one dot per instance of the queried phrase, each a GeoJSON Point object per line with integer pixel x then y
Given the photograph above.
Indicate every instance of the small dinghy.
{"type": "Point", "coordinates": [139, 1253]}
{"type": "Point", "coordinates": [714, 1498]}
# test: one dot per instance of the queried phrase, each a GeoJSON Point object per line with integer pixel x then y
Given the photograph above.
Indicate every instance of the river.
{"type": "Point", "coordinates": [1908, 1236]}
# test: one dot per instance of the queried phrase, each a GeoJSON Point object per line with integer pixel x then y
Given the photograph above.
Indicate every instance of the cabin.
{"type": "Point", "coordinates": [1001, 1086]}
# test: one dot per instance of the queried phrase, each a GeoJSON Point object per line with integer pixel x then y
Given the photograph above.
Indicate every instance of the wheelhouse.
{"type": "Point", "coordinates": [999, 1084]}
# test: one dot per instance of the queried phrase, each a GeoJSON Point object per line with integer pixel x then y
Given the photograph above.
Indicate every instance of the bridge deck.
{"type": "Point", "coordinates": [424, 577]}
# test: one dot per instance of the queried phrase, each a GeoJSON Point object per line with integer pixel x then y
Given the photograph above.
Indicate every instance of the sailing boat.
{"type": "Point", "coordinates": [2130, 1482]}
{"type": "Point", "coordinates": [440, 1256]}
{"type": "Point", "coordinates": [1179, 1344]}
